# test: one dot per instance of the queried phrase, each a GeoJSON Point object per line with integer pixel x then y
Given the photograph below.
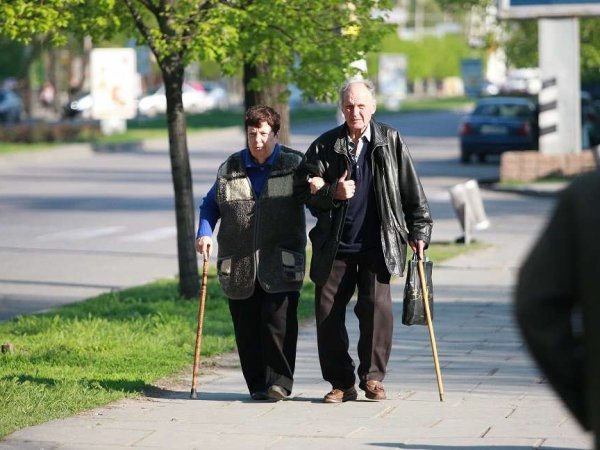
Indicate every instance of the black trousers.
{"type": "Point", "coordinates": [266, 333]}
{"type": "Point", "coordinates": [373, 309]}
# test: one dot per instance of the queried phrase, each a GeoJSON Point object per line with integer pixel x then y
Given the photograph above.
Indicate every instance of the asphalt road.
{"type": "Point", "coordinates": [74, 223]}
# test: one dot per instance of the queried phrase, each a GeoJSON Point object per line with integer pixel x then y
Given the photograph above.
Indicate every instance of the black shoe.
{"type": "Point", "coordinates": [259, 395]}
{"type": "Point", "coordinates": [276, 392]}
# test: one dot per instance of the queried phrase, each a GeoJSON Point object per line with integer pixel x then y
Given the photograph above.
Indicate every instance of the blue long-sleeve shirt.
{"type": "Point", "coordinates": [258, 175]}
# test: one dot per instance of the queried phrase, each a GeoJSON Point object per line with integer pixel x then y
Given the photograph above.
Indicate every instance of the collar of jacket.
{"type": "Point", "coordinates": [379, 137]}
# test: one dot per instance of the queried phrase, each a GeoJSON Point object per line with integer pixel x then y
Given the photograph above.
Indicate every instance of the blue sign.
{"type": "Point", "coordinates": [527, 9]}
{"type": "Point", "coordinates": [549, 2]}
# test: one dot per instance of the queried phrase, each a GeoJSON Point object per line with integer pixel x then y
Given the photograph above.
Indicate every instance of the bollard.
{"type": "Point", "coordinates": [468, 206]}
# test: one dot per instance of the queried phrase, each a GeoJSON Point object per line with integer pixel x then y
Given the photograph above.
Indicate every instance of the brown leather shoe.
{"type": "Point", "coordinates": [374, 390]}
{"type": "Point", "coordinates": [340, 395]}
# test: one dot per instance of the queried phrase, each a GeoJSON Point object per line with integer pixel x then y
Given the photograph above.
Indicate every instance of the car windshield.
{"type": "Point", "coordinates": [502, 110]}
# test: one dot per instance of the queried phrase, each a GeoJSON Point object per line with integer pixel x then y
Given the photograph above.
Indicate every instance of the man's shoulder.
{"type": "Point", "coordinates": [330, 135]}
{"type": "Point", "coordinates": [383, 127]}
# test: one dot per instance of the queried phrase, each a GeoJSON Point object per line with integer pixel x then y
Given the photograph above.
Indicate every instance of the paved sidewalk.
{"type": "Point", "coordinates": [495, 398]}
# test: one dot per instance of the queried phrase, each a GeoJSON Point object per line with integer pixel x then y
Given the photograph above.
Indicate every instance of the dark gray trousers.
{"type": "Point", "coordinates": [373, 309]}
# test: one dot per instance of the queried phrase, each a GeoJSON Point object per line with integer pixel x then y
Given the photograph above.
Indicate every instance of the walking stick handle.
{"type": "Point", "coordinates": [199, 329]}
{"type": "Point", "coordinates": [436, 361]}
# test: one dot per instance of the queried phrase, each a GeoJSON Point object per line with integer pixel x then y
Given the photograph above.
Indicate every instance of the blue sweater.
{"type": "Point", "coordinates": [361, 228]}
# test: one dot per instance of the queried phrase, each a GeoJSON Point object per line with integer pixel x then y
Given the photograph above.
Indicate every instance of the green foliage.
{"type": "Point", "coordinates": [590, 50]}
{"type": "Point", "coordinates": [23, 20]}
{"type": "Point", "coordinates": [307, 42]}
{"type": "Point", "coordinates": [463, 5]}
{"type": "Point", "coordinates": [12, 58]}
{"type": "Point", "coordinates": [430, 57]}
{"type": "Point", "coordinates": [311, 43]}
{"type": "Point", "coordinates": [522, 46]}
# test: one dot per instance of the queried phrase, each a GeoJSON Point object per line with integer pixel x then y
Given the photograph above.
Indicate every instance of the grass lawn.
{"type": "Point", "coordinates": [114, 346]}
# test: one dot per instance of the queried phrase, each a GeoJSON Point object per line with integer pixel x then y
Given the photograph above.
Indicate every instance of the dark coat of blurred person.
{"type": "Point", "coordinates": [558, 300]}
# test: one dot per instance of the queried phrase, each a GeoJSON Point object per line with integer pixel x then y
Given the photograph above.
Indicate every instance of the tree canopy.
{"type": "Point", "coordinates": [307, 42]}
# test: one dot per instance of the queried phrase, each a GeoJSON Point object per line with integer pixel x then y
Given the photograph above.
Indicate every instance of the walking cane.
{"type": "Point", "coordinates": [199, 331]}
{"type": "Point", "coordinates": [436, 362]}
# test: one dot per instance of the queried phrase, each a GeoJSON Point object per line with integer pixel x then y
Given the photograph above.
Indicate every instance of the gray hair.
{"type": "Point", "coordinates": [366, 83]}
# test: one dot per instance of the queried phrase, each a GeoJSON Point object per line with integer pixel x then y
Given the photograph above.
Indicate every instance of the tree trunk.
{"type": "Point", "coordinates": [269, 96]}
{"type": "Point", "coordinates": [189, 280]}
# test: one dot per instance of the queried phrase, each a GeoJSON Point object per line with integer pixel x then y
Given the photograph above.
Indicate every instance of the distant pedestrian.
{"type": "Point", "coordinates": [261, 260]}
{"type": "Point", "coordinates": [359, 180]}
{"type": "Point", "coordinates": [47, 94]}
{"type": "Point", "coordinates": [558, 300]}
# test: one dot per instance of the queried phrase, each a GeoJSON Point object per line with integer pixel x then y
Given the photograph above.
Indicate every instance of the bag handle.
{"type": "Point", "coordinates": [415, 257]}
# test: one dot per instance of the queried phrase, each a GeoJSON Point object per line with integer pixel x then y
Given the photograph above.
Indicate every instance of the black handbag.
{"type": "Point", "coordinates": [413, 309]}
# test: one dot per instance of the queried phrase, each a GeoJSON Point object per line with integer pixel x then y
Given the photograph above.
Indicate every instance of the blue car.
{"type": "Point", "coordinates": [499, 124]}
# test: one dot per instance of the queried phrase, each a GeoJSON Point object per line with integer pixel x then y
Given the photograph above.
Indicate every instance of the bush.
{"type": "Point", "coordinates": [39, 131]}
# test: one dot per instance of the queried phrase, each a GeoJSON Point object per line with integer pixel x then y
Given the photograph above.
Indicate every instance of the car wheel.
{"type": "Point", "coordinates": [465, 157]}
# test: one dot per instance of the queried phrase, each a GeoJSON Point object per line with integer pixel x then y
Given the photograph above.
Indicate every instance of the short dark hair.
{"type": "Point", "coordinates": [255, 115]}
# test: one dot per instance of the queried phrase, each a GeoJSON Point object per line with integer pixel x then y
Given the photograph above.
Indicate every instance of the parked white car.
{"type": "Point", "coordinates": [217, 94]}
{"type": "Point", "coordinates": [523, 81]}
{"type": "Point", "coordinates": [194, 96]}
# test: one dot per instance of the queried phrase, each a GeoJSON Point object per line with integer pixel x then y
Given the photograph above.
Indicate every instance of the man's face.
{"type": "Point", "coordinates": [358, 107]}
{"type": "Point", "coordinates": [261, 141]}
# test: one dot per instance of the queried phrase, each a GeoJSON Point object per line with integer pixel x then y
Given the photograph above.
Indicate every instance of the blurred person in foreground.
{"type": "Point", "coordinates": [359, 180]}
{"type": "Point", "coordinates": [557, 301]}
{"type": "Point", "coordinates": [261, 245]}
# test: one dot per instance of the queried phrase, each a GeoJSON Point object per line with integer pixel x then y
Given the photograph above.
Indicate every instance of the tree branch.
{"type": "Point", "coordinates": [190, 30]}
{"type": "Point", "coordinates": [149, 6]}
{"type": "Point", "coordinates": [141, 25]}
{"type": "Point", "coordinates": [236, 5]}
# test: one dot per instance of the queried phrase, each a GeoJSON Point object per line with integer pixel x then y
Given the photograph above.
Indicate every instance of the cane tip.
{"type": "Point", "coordinates": [193, 394]}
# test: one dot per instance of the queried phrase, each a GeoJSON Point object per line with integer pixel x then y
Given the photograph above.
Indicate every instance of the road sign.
{"type": "Point", "coordinates": [528, 9]}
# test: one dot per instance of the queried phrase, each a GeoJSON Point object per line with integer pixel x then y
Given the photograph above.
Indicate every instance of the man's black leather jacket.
{"type": "Point", "coordinates": [403, 210]}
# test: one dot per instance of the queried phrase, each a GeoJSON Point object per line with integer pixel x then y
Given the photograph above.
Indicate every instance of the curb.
{"type": "Point", "coordinates": [534, 190]}
{"type": "Point", "coordinates": [118, 147]}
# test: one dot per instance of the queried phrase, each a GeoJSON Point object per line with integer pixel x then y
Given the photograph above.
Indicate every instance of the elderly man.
{"type": "Point", "coordinates": [260, 262]}
{"type": "Point", "coordinates": [359, 181]}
